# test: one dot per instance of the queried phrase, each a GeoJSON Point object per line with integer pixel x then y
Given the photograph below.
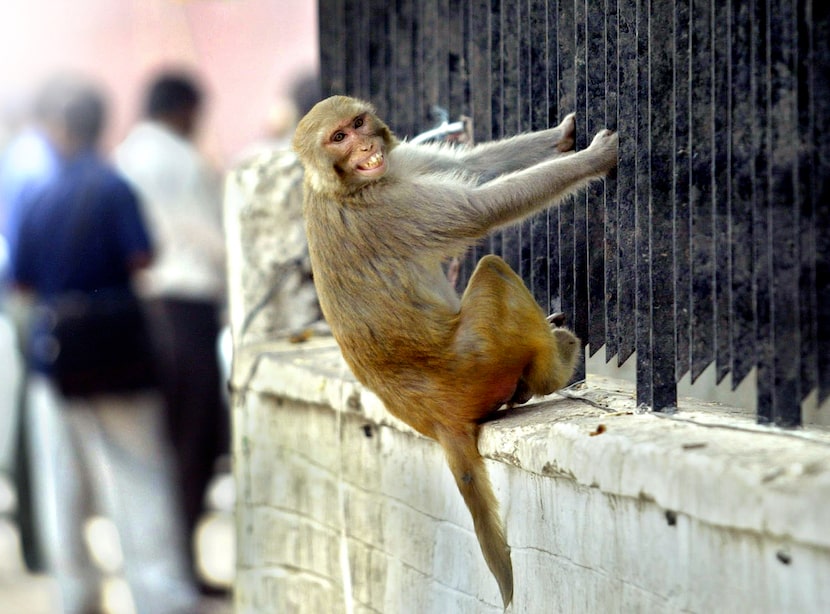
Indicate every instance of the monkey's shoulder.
{"type": "Point", "coordinates": [418, 161]}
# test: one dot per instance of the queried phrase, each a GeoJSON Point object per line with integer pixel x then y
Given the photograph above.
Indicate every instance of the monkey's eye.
{"type": "Point", "coordinates": [338, 136]}
{"type": "Point", "coordinates": [358, 122]}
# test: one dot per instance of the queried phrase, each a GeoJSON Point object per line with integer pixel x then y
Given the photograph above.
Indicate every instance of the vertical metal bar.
{"type": "Point", "coordinates": [497, 68]}
{"type": "Point", "coordinates": [523, 118]}
{"type": "Point", "coordinates": [721, 36]}
{"type": "Point", "coordinates": [497, 91]}
{"type": "Point", "coordinates": [414, 102]}
{"type": "Point", "coordinates": [512, 66]}
{"type": "Point", "coordinates": [786, 264]}
{"type": "Point", "coordinates": [555, 113]}
{"type": "Point", "coordinates": [762, 249]}
{"type": "Point", "coordinates": [642, 239]}
{"type": "Point", "coordinates": [661, 218]}
{"type": "Point", "coordinates": [403, 92]}
{"type": "Point", "coordinates": [477, 57]}
{"type": "Point", "coordinates": [352, 73]}
{"type": "Point", "coordinates": [682, 185]}
{"type": "Point", "coordinates": [741, 331]}
{"type": "Point", "coordinates": [596, 87]}
{"type": "Point", "coordinates": [611, 246]}
{"type": "Point", "coordinates": [440, 39]}
{"type": "Point", "coordinates": [566, 103]}
{"type": "Point", "coordinates": [512, 75]}
{"type": "Point", "coordinates": [461, 100]}
{"type": "Point", "coordinates": [806, 190]}
{"type": "Point", "coordinates": [361, 50]}
{"type": "Point", "coordinates": [332, 47]}
{"type": "Point", "coordinates": [566, 35]}
{"type": "Point", "coordinates": [820, 85]}
{"type": "Point", "coordinates": [458, 70]}
{"type": "Point", "coordinates": [702, 218]}
{"type": "Point", "coordinates": [378, 53]}
{"type": "Point", "coordinates": [627, 104]}
{"type": "Point", "coordinates": [580, 321]}
{"type": "Point", "coordinates": [479, 50]}
{"type": "Point", "coordinates": [430, 32]}
{"type": "Point", "coordinates": [446, 23]}
{"type": "Point", "coordinates": [538, 70]}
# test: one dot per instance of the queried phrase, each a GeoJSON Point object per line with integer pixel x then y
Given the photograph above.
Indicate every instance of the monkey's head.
{"type": "Point", "coordinates": [343, 145]}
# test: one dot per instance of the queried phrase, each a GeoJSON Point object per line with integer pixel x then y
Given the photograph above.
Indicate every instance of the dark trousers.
{"type": "Point", "coordinates": [185, 333]}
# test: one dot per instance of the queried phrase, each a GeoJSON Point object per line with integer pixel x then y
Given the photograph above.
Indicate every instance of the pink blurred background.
{"type": "Point", "coordinates": [247, 52]}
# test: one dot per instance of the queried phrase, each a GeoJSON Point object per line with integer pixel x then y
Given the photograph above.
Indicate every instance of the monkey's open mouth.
{"type": "Point", "coordinates": [372, 163]}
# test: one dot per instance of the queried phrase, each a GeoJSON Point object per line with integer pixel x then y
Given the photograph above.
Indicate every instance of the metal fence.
{"type": "Point", "coordinates": [711, 244]}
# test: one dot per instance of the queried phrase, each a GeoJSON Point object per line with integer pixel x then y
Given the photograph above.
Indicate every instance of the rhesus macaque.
{"type": "Point", "coordinates": [381, 217]}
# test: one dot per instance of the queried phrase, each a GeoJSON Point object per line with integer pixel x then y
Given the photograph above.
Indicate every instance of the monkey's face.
{"type": "Point", "coordinates": [357, 149]}
{"type": "Point", "coordinates": [343, 145]}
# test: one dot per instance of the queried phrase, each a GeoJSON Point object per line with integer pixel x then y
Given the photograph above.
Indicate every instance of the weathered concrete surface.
{"type": "Point", "coordinates": [700, 513]}
{"type": "Point", "coordinates": [266, 239]}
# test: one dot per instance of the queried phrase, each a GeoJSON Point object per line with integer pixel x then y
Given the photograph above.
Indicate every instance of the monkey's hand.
{"type": "Point", "coordinates": [567, 134]}
{"type": "Point", "coordinates": [605, 148]}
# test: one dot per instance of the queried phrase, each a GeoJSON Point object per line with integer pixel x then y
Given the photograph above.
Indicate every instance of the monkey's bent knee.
{"type": "Point", "coordinates": [491, 265]}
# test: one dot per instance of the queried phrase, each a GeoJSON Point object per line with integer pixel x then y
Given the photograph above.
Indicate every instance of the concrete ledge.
{"type": "Point", "coordinates": [607, 509]}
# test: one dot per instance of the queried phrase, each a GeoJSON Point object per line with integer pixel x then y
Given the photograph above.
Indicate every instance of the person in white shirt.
{"type": "Point", "coordinates": [184, 289]}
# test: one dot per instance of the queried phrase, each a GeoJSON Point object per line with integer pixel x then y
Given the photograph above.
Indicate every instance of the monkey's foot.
{"type": "Point", "coordinates": [521, 395]}
{"type": "Point", "coordinates": [557, 320]}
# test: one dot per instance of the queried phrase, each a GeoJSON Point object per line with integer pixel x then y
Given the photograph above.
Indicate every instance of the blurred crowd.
{"type": "Point", "coordinates": [113, 422]}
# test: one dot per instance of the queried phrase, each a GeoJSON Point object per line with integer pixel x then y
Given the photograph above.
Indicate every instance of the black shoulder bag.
{"type": "Point", "coordinates": [96, 342]}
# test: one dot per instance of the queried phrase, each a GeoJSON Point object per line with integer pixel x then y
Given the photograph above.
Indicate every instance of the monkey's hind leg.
{"type": "Point", "coordinates": [567, 349]}
{"type": "Point", "coordinates": [500, 308]}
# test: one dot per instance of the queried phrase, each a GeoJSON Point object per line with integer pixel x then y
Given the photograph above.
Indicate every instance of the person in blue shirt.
{"type": "Point", "coordinates": [83, 229]}
{"type": "Point", "coordinates": [101, 456]}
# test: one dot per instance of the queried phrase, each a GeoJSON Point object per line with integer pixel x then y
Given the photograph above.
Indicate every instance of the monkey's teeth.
{"type": "Point", "coordinates": [373, 162]}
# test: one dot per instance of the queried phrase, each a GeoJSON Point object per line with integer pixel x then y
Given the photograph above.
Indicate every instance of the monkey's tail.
{"type": "Point", "coordinates": [470, 473]}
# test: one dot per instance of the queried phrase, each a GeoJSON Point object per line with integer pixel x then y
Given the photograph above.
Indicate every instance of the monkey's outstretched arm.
{"type": "Point", "coordinates": [468, 212]}
{"type": "Point", "coordinates": [490, 160]}
{"type": "Point", "coordinates": [514, 196]}
{"type": "Point", "coordinates": [519, 152]}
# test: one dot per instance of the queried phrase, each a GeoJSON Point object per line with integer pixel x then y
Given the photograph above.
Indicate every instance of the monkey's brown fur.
{"type": "Point", "coordinates": [381, 217]}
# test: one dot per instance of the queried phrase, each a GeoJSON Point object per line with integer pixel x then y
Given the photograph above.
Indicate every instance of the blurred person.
{"type": "Point", "coordinates": [185, 287]}
{"type": "Point", "coordinates": [94, 451]}
{"type": "Point", "coordinates": [27, 160]}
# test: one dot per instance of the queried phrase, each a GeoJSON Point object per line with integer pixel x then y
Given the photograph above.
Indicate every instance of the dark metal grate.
{"type": "Point", "coordinates": [711, 246]}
